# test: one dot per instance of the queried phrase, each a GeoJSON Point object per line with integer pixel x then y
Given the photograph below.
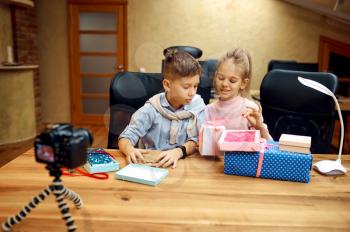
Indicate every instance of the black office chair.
{"type": "Point", "coordinates": [128, 92]}
{"type": "Point", "coordinates": [292, 108]}
{"type": "Point", "coordinates": [292, 65]}
{"type": "Point", "coordinates": [206, 81]}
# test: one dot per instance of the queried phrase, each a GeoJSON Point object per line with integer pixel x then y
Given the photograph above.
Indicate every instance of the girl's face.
{"type": "Point", "coordinates": [228, 80]}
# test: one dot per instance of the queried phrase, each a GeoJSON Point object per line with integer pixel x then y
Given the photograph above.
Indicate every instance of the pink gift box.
{"type": "Point", "coordinates": [208, 138]}
{"type": "Point", "coordinates": [240, 140]}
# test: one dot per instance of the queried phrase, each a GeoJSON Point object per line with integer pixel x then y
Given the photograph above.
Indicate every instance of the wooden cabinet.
{"type": "Point", "coordinates": [334, 56]}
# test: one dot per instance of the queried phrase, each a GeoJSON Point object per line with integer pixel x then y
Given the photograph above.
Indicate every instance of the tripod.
{"type": "Point", "coordinates": [60, 193]}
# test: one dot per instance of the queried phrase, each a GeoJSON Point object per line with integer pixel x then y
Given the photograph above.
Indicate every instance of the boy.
{"type": "Point", "coordinates": [168, 121]}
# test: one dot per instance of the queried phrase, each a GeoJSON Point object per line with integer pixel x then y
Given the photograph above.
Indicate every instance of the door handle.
{"type": "Point", "coordinates": [119, 68]}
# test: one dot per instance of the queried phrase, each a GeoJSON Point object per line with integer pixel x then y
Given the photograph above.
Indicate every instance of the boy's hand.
{"type": "Point", "coordinates": [169, 157]}
{"type": "Point", "coordinates": [134, 154]}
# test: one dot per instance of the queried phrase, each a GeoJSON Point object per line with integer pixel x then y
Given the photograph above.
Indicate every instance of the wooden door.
{"type": "Point", "coordinates": [97, 53]}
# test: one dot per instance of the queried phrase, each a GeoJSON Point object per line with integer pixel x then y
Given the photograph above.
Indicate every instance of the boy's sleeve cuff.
{"type": "Point", "coordinates": [133, 139]}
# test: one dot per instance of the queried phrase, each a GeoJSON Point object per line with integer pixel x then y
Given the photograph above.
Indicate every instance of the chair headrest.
{"type": "Point", "coordinates": [134, 88]}
{"type": "Point", "coordinates": [281, 89]}
{"type": "Point", "coordinates": [195, 52]}
{"type": "Point", "coordinates": [292, 65]}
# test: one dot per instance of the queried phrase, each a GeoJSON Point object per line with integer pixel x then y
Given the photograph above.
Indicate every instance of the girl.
{"type": "Point", "coordinates": [231, 82]}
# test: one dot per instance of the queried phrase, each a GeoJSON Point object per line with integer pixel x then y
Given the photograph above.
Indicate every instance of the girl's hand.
{"type": "Point", "coordinates": [167, 158]}
{"type": "Point", "coordinates": [254, 117]}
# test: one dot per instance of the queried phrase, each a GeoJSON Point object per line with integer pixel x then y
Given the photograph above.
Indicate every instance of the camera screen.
{"type": "Point", "coordinates": [45, 153]}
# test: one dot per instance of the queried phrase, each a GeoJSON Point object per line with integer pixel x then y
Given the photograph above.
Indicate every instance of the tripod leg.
{"type": "Point", "coordinates": [11, 221]}
{"type": "Point", "coordinates": [62, 205]}
{"type": "Point", "coordinates": [71, 195]}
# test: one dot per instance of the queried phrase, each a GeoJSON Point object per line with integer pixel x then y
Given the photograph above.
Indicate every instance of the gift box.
{"type": "Point", "coordinates": [270, 162]}
{"type": "Point", "coordinates": [295, 143]}
{"type": "Point", "coordinates": [142, 174]}
{"type": "Point", "coordinates": [100, 161]}
{"type": "Point", "coordinates": [209, 135]}
{"type": "Point", "coordinates": [239, 140]}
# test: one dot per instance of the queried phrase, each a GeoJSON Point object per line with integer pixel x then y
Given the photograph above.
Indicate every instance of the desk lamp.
{"type": "Point", "coordinates": [328, 167]}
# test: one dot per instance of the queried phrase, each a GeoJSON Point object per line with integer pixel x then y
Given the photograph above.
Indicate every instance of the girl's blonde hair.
{"type": "Point", "coordinates": [241, 58]}
{"type": "Point", "coordinates": [180, 64]}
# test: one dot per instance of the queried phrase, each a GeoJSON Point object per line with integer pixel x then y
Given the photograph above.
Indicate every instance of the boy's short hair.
{"type": "Point", "coordinates": [179, 64]}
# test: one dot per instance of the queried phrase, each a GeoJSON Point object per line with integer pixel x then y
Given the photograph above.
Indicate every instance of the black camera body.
{"type": "Point", "coordinates": [63, 146]}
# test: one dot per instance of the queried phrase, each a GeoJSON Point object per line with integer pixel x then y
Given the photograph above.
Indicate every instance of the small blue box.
{"type": "Point", "coordinates": [142, 174]}
{"type": "Point", "coordinates": [276, 164]}
{"type": "Point", "coordinates": [99, 162]}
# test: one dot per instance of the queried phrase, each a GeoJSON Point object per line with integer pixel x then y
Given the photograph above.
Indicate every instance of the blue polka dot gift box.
{"type": "Point", "coordinates": [98, 160]}
{"type": "Point", "coordinates": [270, 163]}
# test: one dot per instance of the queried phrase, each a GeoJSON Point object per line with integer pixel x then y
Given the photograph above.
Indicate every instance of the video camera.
{"type": "Point", "coordinates": [63, 146]}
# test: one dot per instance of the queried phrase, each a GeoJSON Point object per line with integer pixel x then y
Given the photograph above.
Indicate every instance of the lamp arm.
{"type": "Point", "coordinates": [341, 128]}
{"type": "Point", "coordinates": [323, 89]}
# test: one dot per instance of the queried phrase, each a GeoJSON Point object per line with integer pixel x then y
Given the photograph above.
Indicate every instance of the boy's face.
{"type": "Point", "coordinates": [180, 91]}
{"type": "Point", "coordinates": [228, 80]}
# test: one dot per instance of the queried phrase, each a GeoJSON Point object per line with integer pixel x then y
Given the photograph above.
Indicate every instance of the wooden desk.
{"type": "Point", "coordinates": [196, 196]}
{"type": "Point", "coordinates": [344, 106]}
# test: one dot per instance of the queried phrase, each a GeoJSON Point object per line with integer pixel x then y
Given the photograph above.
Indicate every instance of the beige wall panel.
{"type": "Point", "coordinates": [268, 29]}
{"type": "Point", "coordinates": [17, 116]}
{"type": "Point", "coordinates": [53, 58]}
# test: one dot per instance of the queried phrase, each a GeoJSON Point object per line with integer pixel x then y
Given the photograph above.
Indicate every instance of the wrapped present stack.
{"type": "Point", "coordinates": [268, 162]}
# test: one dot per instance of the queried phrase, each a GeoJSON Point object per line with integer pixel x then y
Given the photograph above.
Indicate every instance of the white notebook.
{"type": "Point", "coordinates": [142, 174]}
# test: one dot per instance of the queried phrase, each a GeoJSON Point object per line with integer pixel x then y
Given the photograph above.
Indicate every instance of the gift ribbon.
{"type": "Point", "coordinates": [263, 146]}
{"type": "Point", "coordinates": [215, 122]}
{"type": "Point", "coordinates": [98, 175]}
{"type": "Point", "coordinates": [261, 159]}
{"type": "Point", "coordinates": [213, 142]}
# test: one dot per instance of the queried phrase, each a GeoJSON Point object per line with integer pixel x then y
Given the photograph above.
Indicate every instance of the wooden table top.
{"type": "Point", "coordinates": [196, 196]}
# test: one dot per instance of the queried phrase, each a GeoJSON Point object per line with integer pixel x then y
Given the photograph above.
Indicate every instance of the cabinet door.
{"type": "Point", "coordinates": [334, 57]}
{"type": "Point", "coordinates": [97, 53]}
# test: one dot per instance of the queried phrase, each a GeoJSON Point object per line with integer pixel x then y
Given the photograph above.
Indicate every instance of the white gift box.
{"type": "Point", "coordinates": [209, 135]}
